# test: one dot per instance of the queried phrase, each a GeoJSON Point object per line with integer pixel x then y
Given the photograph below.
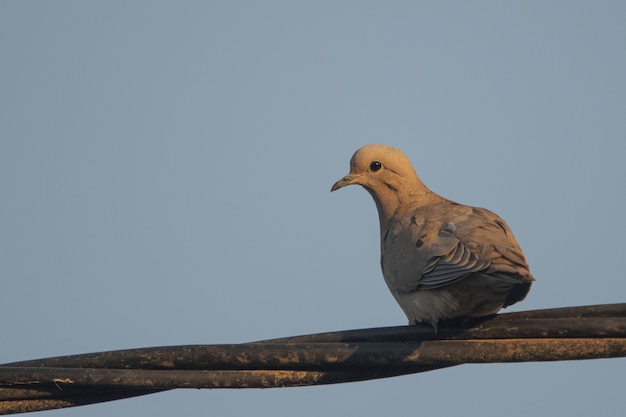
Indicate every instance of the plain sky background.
{"type": "Point", "coordinates": [165, 170]}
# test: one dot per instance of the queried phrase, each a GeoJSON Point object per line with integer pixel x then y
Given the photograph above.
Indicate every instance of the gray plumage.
{"type": "Point", "coordinates": [440, 259]}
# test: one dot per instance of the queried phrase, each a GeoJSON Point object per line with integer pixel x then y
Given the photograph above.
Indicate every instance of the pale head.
{"type": "Point", "coordinates": [388, 175]}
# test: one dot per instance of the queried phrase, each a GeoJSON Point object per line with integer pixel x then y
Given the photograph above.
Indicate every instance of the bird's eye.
{"type": "Point", "coordinates": [375, 166]}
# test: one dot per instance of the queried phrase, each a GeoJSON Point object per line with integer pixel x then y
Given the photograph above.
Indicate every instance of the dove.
{"type": "Point", "coordinates": [440, 259]}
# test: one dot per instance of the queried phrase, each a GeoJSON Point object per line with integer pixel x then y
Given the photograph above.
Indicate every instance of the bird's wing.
{"type": "Point", "coordinates": [489, 236]}
{"type": "Point", "coordinates": [448, 260]}
{"type": "Point", "coordinates": [444, 243]}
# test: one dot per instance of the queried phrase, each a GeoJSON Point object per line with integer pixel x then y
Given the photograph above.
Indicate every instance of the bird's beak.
{"type": "Point", "coordinates": [347, 180]}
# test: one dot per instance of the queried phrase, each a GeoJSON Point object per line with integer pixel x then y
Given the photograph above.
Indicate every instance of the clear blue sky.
{"type": "Point", "coordinates": [165, 170]}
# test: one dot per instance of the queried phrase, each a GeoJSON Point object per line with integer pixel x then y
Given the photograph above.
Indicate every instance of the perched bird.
{"type": "Point", "coordinates": [440, 259]}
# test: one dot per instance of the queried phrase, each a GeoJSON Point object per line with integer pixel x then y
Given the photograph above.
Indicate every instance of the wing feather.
{"type": "Point", "coordinates": [444, 243]}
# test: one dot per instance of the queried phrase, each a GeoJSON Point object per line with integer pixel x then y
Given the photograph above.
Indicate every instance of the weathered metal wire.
{"type": "Point", "coordinates": [544, 335]}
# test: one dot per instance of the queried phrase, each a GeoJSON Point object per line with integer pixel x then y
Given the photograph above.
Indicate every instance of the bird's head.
{"type": "Point", "coordinates": [388, 175]}
{"type": "Point", "coordinates": [377, 168]}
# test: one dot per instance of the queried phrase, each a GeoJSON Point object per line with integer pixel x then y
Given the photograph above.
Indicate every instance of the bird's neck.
{"type": "Point", "coordinates": [394, 202]}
